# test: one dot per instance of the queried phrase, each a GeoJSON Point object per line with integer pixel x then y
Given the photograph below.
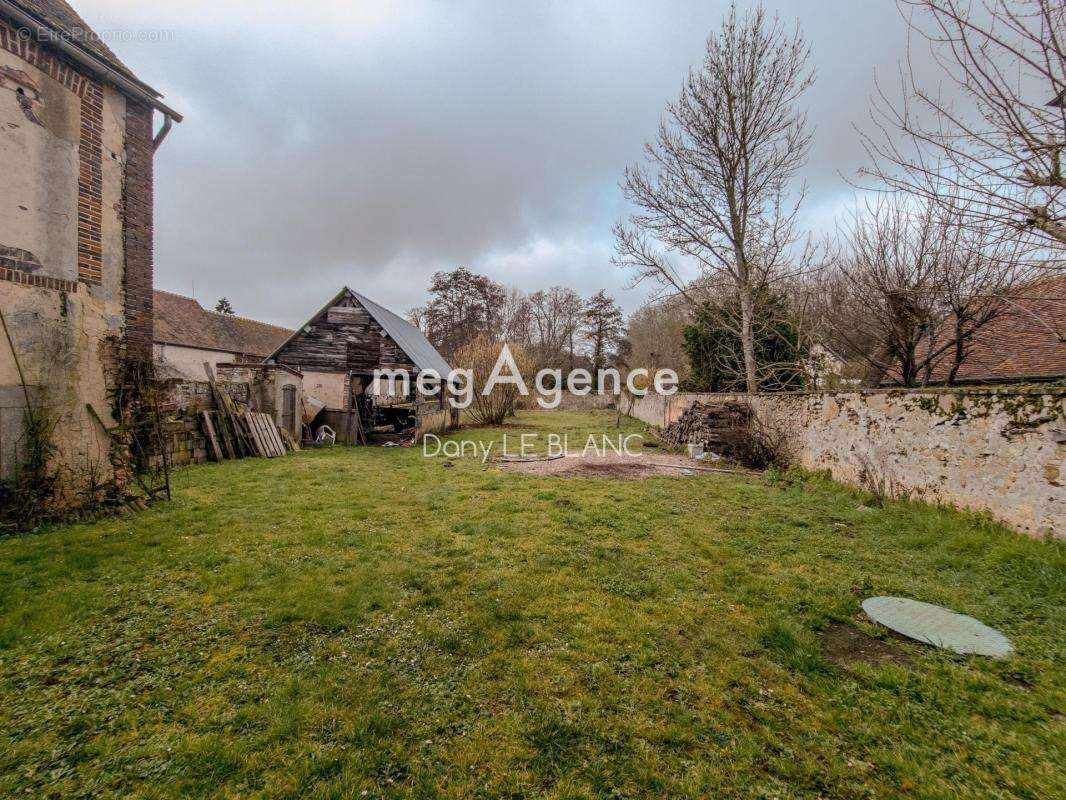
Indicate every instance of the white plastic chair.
{"type": "Point", "coordinates": [326, 434]}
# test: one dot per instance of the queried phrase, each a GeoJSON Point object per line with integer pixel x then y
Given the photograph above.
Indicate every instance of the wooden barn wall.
{"type": "Point", "coordinates": [344, 338]}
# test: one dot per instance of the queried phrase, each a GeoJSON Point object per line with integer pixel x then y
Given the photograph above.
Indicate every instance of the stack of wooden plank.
{"type": "Point", "coordinates": [234, 430]}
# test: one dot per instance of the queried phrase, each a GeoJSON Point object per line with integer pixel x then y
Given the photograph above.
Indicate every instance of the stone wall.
{"type": "Point", "coordinates": [588, 402]}
{"type": "Point", "coordinates": [75, 169]}
{"type": "Point", "coordinates": [181, 403]}
{"type": "Point", "coordinates": [995, 451]}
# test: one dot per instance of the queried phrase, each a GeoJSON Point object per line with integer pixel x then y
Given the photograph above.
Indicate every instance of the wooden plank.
{"type": "Point", "coordinates": [290, 440]}
{"type": "Point", "coordinates": [272, 429]}
{"type": "Point", "coordinates": [264, 431]}
{"type": "Point", "coordinates": [257, 439]}
{"type": "Point", "coordinates": [248, 442]}
{"type": "Point", "coordinates": [224, 424]}
{"type": "Point", "coordinates": [263, 436]}
{"type": "Point", "coordinates": [209, 432]}
{"type": "Point", "coordinates": [240, 430]}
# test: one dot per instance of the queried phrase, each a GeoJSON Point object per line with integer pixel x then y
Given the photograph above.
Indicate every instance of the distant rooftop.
{"type": "Point", "coordinates": [1026, 343]}
{"type": "Point", "coordinates": [184, 322]}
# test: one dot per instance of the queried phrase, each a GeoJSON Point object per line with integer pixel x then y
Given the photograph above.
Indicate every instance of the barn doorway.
{"type": "Point", "coordinates": [288, 409]}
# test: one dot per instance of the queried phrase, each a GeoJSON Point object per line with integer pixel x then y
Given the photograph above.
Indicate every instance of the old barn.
{"type": "Point", "coordinates": [338, 351]}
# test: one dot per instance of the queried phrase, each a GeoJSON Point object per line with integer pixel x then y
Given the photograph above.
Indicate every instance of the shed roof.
{"type": "Point", "coordinates": [409, 338]}
{"type": "Point", "coordinates": [184, 322]}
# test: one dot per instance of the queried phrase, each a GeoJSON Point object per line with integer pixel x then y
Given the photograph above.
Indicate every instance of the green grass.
{"type": "Point", "coordinates": [368, 623]}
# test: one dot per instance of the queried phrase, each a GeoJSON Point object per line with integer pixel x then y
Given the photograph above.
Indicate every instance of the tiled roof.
{"type": "Point", "coordinates": [1028, 342]}
{"type": "Point", "coordinates": [183, 321]}
{"type": "Point", "coordinates": [60, 17]}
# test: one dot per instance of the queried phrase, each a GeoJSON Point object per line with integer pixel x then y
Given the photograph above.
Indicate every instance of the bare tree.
{"type": "Point", "coordinates": [556, 315]}
{"type": "Point", "coordinates": [656, 335]}
{"type": "Point", "coordinates": [517, 318]}
{"type": "Point", "coordinates": [463, 307]}
{"type": "Point", "coordinates": [978, 269]}
{"type": "Point", "coordinates": [417, 317]}
{"type": "Point", "coordinates": [716, 187]}
{"type": "Point", "coordinates": [1000, 137]}
{"type": "Point", "coordinates": [882, 297]}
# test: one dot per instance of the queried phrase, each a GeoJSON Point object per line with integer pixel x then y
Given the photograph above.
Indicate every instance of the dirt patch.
{"type": "Point", "coordinates": [845, 645]}
{"type": "Point", "coordinates": [612, 465]}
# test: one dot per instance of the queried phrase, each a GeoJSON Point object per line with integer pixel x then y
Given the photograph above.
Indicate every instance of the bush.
{"type": "Point", "coordinates": [757, 445]}
{"type": "Point", "coordinates": [480, 357]}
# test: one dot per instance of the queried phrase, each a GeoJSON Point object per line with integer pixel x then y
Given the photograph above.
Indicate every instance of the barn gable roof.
{"type": "Point", "coordinates": [407, 337]}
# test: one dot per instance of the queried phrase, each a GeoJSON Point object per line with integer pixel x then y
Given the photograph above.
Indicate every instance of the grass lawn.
{"type": "Point", "coordinates": [369, 623]}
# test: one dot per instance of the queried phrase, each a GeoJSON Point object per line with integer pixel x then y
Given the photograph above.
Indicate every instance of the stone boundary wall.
{"type": "Point", "coordinates": [588, 402]}
{"type": "Point", "coordinates": [571, 402]}
{"type": "Point", "coordinates": [996, 451]}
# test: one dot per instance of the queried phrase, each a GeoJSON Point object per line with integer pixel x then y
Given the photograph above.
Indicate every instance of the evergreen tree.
{"type": "Point", "coordinates": [714, 348]}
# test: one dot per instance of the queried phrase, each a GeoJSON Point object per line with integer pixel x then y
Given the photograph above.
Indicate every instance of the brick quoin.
{"type": "Point", "coordinates": [138, 229]}
{"type": "Point", "coordinates": [91, 184]}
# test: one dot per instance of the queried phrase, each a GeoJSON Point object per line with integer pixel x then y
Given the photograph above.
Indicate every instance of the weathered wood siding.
{"type": "Point", "coordinates": [344, 338]}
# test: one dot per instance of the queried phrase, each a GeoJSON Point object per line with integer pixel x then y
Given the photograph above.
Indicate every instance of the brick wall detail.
{"type": "Point", "coordinates": [91, 184]}
{"type": "Point", "coordinates": [90, 148]}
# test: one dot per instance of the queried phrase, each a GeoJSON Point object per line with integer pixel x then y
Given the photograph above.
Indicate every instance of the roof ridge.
{"type": "Point", "coordinates": [224, 315]}
{"type": "Point", "coordinates": [175, 294]}
{"type": "Point", "coordinates": [221, 314]}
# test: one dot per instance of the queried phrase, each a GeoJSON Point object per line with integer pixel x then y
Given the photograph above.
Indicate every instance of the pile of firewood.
{"type": "Point", "coordinates": [714, 425]}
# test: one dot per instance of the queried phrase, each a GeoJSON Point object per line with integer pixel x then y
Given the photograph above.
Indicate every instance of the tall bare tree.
{"type": "Point", "coordinates": [656, 335]}
{"type": "Point", "coordinates": [882, 296]}
{"type": "Point", "coordinates": [417, 317]}
{"type": "Point", "coordinates": [716, 189]}
{"type": "Point", "coordinates": [556, 315]}
{"type": "Point", "coordinates": [978, 271]}
{"type": "Point", "coordinates": [463, 307]}
{"type": "Point", "coordinates": [517, 318]}
{"type": "Point", "coordinates": [999, 136]}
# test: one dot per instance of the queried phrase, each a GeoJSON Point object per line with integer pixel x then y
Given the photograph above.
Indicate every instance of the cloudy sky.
{"type": "Point", "coordinates": [371, 144]}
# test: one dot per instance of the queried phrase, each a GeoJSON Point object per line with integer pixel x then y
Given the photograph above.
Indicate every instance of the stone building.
{"type": "Point", "coordinates": [186, 335]}
{"type": "Point", "coordinates": [77, 142]}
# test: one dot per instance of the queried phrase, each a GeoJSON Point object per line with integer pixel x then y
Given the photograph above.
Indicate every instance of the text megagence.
{"type": "Point", "coordinates": [548, 384]}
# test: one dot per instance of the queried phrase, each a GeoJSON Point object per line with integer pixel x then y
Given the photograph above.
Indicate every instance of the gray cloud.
{"type": "Point", "coordinates": [372, 144]}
